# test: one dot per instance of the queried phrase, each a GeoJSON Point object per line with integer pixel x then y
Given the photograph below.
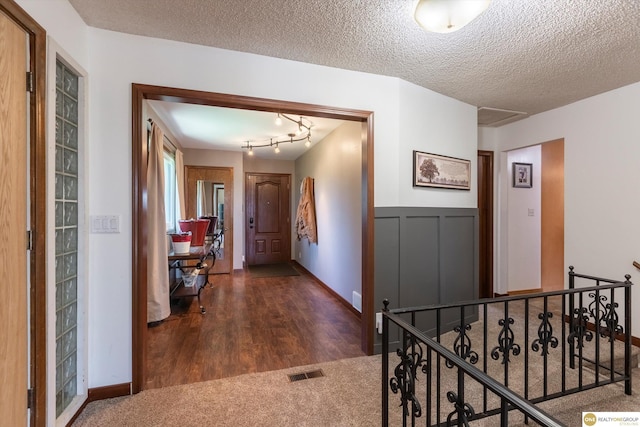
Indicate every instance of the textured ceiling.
{"type": "Point", "coordinates": [522, 55]}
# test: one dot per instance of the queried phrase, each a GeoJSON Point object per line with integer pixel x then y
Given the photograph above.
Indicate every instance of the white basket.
{"type": "Point", "coordinates": [181, 247]}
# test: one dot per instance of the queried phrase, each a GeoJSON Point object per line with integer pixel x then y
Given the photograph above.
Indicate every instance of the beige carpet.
{"type": "Point", "coordinates": [348, 395]}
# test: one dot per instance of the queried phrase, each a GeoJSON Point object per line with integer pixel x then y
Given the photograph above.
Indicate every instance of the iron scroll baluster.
{"type": "Point", "coordinates": [464, 410]}
{"type": "Point", "coordinates": [597, 307]}
{"type": "Point", "coordinates": [606, 315]}
{"type": "Point", "coordinates": [506, 342]}
{"type": "Point", "coordinates": [611, 321]}
{"type": "Point", "coordinates": [545, 335]}
{"type": "Point", "coordinates": [405, 377]}
{"type": "Point", "coordinates": [579, 332]}
{"type": "Point", "coordinates": [462, 345]}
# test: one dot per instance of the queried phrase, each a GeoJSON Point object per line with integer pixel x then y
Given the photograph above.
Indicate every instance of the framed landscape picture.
{"type": "Point", "coordinates": [433, 170]}
{"type": "Point", "coordinates": [522, 175]}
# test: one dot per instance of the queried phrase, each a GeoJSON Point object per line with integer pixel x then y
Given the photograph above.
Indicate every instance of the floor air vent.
{"type": "Point", "coordinates": [306, 375]}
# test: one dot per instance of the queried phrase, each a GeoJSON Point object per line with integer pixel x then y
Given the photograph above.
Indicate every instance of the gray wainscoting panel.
{"type": "Point", "coordinates": [387, 253]}
{"type": "Point", "coordinates": [426, 256]}
{"type": "Point", "coordinates": [419, 261]}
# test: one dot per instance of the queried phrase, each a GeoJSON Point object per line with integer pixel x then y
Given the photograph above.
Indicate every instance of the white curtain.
{"type": "Point", "coordinates": [180, 179]}
{"type": "Point", "coordinates": [158, 306]}
{"type": "Point", "coordinates": [202, 201]}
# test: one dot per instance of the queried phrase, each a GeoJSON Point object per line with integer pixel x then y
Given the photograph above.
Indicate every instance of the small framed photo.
{"type": "Point", "coordinates": [433, 170]}
{"type": "Point", "coordinates": [522, 175]}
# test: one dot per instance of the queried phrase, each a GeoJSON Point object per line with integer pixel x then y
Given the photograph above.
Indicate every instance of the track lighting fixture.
{"type": "Point", "coordinates": [302, 133]}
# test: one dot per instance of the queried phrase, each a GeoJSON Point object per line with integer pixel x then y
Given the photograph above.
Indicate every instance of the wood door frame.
{"type": "Point", "coordinates": [246, 211]}
{"type": "Point", "coordinates": [489, 225]}
{"type": "Point", "coordinates": [141, 92]}
{"type": "Point", "coordinates": [38, 190]}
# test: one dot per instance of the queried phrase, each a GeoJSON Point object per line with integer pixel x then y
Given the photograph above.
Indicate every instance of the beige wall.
{"type": "Point", "coordinates": [336, 167]}
{"type": "Point", "coordinates": [523, 224]}
{"type": "Point", "coordinates": [254, 164]}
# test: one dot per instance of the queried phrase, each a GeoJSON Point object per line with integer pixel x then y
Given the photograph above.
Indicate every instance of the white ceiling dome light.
{"type": "Point", "coordinates": [446, 16]}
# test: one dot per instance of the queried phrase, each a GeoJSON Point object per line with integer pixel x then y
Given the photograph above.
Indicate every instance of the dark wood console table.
{"type": "Point", "coordinates": [201, 258]}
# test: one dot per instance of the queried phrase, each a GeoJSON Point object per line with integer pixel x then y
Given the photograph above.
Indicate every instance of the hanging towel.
{"type": "Point", "coordinates": [306, 215]}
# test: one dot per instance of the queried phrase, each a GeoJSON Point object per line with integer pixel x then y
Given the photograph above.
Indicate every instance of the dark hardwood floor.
{"type": "Point", "coordinates": [251, 325]}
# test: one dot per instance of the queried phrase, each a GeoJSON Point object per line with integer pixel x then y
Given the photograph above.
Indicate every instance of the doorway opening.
{"type": "Point", "coordinates": [209, 194]}
{"type": "Point", "coordinates": [532, 231]}
{"type": "Point", "coordinates": [140, 93]}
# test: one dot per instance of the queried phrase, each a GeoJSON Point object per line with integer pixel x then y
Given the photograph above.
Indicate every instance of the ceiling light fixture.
{"type": "Point", "coordinates": [278, 120]}
{"type": "Point", "coordinates": [447, 16]}
{"type": "Point", "coordinates": [302, 133]}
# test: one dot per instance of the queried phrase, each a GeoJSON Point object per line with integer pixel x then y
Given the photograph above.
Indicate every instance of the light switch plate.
{"type": "Point", "coordinates": [105, 223]}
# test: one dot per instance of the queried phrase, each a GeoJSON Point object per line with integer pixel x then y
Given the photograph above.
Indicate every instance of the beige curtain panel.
{"type": "Point", "coordinates": [158, 306]}
{"type": "Point", "coordinates": [180, 179]}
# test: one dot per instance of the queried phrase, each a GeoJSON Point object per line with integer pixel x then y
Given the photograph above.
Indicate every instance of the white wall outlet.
{"type": "Point", "coordinates": [242, 258]}
{"type": "Point", "coordinates": [356, 301]}
{"type": "Point", "coordinates": [299, 255]}
{"type": "Point", "coordinates": [531, 212]}
{"type": "Point", "coordinates": [379, 322]}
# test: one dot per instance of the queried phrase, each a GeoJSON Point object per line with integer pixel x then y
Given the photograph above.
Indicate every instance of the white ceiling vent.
{"type": "Point", "coordinates": [496, 116]}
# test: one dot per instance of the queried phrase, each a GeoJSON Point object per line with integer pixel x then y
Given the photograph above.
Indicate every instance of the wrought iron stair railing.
{"type": "Point", "coordinates": [523, 350]}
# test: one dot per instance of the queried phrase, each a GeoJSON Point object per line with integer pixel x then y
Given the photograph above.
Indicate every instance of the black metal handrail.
{"type": "Point", "coordinates": [507, 396]}
{"type": "Point", "coordinates": [597, 303]}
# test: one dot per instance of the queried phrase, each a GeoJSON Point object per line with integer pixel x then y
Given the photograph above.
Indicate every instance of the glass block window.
{"type": "Point", "coordinates": [66, 236]}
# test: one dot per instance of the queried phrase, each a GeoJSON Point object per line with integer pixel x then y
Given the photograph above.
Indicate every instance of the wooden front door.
{"type": "Point", "coordinates": [14, 318]}
{"type": "Point", "coordinates": [268, 213]}
{"type": "Point", "coordinates": [485, 214]}
{"type": "Point", "coordinates": [219, 178]}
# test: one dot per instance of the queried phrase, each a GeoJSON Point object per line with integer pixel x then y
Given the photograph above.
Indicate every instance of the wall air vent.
{"type": "Point", "coordinates": [494, 117]}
